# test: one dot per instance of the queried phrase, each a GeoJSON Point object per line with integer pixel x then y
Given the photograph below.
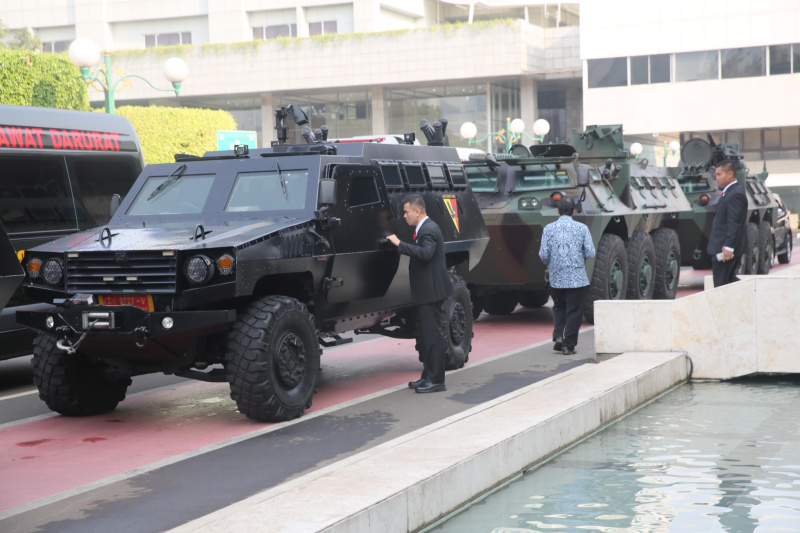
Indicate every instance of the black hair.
{"type": "Point", "coordinates": [566, 206]}
{"type": "Point", "coordinates": [414, 201]}
{"type": "Point", "coordinates": [727, 166]}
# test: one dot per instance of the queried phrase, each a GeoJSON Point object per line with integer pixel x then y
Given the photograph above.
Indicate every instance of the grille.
{"type": "Point", "coordinates": [154, 273]}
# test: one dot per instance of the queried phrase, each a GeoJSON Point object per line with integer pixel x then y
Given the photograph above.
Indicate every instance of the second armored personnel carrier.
{"type": "Point", "coordinates": [250, 260]}
{"type": "Point", "coordinates": [767, 235]}
{"type": "Point", "coordinates": [625, 203]}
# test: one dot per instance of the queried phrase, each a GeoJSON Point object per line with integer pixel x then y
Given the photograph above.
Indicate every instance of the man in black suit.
{"type": "Point", "coordinates": [728, 238]}
{"type": "Point", "coordinates": [430, 286]}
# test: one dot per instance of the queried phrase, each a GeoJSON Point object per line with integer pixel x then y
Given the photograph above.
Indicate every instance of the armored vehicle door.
{"type": "Point", "coordinates": [365, 263]}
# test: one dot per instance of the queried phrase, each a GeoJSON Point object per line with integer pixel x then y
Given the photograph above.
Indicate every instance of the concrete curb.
{"type": "Point", "coordinates": [412, 481]}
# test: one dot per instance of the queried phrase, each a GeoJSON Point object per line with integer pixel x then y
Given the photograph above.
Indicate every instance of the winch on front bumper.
{"type": "Point", "coordinates": [91, 326]}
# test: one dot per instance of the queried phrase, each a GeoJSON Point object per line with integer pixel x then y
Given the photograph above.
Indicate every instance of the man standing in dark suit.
{"type": "Point", "coordinates": [430, 286]}
{"type": "Point", "coordinates": [728, 238]}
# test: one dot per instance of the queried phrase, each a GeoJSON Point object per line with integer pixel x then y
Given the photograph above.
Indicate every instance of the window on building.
{"type": "Point", "coordinates": [54, 47]}
{"type": "Point", "coordinates": [611, 72]}
{"type": "Point", "coordinates": [273, 32]}
{"type": "Point", "coordinates": [639, 70]}
{"type": "Point", "coordinates": [322, 28]}
{"type": "Point", "coordinates": [752, 140]}
{"type": "Point", "coordinates": [772, 138]}
{"type": "Point", "coordinates": [659, 68]}
{"type": "Point", "coordinates": [796, 58]}
{"type": "Point", "coordinates": [780, 59]}
{"type": "Point", "coordinates": [168, 39]}
{"type": "Point", "coordinates": [693, 66]}
{"type": "Point", "coordinates": [743, 62]}
{"type": "Point", "coordinates": [790, 137]}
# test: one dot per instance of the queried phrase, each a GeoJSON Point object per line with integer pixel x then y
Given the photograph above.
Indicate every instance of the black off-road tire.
{"type": "Point", "coordinates": [641, 266]}
{"type": "Point", "coordinates": [500, 303]}
{"type": "Point", "coordinates": [477, 305]}
{"type": "Point", "coordinates": [766, 248]}
{"type": "Point", "coordinates": [786, 256]}
{"type": "Point", "coordinates": [668, 263]}
{"type": "Point", "coordinates": [73, 384]}
{"type": "Point", "coordinates": [457, 325]}
{"type": "Point", "coordinates": [609, 279]}
{"type": "Point", "coordinates": [534, 299]}
{"type": "Point", "coordinates": [272, 359]}
{"type": "Point", "coordinates": [749, 261]}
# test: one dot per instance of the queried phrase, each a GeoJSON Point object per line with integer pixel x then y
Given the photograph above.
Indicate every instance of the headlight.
{"type": "Point", "coordinates": [53, 271]}
{"type": "Point", "coordinates": [34, 267]}
{"type": "Point", "coordinates": [529, 203]}
{"type": "Point", "coordinates": [225, 264]}
{"type": "Point", "coordinates": [199, 269]}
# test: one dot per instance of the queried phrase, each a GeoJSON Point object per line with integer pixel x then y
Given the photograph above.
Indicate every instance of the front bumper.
{"type": "Point", "coordinates": [127, 325]}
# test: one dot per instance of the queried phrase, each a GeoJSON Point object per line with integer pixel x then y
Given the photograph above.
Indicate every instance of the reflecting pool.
{"type": "Point", "coordinates": [704, 457]}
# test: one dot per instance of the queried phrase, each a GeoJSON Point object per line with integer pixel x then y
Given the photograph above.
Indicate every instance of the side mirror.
{"type": "Point", "coordinates": [327, 191]}
{"type": "Point", "coordinates": [115, 201]}
{"type": "Point", "coordinates": [583, 177]}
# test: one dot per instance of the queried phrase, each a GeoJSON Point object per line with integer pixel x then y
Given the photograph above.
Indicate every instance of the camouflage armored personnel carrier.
{"type": "Point", "coordinates": [625, 203]}
{"type": "Point", "coordinates": [767, 235]}
{"type": "Point", "coordinates": [250, 260]}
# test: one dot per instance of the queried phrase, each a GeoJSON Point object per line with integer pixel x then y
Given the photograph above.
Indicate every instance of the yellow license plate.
{"type": "Point", "coordinates": [143, 301]}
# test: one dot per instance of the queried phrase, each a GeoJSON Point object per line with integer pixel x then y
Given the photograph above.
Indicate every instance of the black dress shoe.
{"type": "Point", "coordinates": [568, 351]}
{"type": "Point", "coordinates": [559, 345]}
{"type": "Point", "coordinates": [432, 387]}
{"type": "Point", "coordinates": [415, 384]}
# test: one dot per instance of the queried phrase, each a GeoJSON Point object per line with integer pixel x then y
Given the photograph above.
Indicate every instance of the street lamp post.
{"type": "Point", "coordinates": [673, 147]}
{"type": "Point", "coordinates": [513, 132]}
{"type": "Point", "coordinates": [85, 54]}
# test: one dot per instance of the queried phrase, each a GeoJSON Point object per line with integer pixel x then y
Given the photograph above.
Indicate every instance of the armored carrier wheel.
{"type": "Point", "coordinates": [500, 303]}
{"type": "Point", "coordinates": [786, 257]}
{"type": "Point", "coordinates": [457, 325]}
{"type": "Point", "coordinates": [609, 279]}
{"type": "Point", "coordinates": [668, 263]}
{"type": "Point", "coordinates": [477, 305]}
{"type": "Point", "coordinates": [272, 359]}
{"type": "Point", "coordinates": [72, 384]}
{"type": "Point", "coordinates": [749, 264]}
{"type": "Point", "coordinates": [765, 247]}
{"type": "Point", "coordinates": [641, 266]}
{"type": "Point", "coordinates": [533, 299]}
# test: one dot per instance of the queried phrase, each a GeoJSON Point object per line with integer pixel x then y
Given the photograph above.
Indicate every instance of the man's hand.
{"type": "Point", "coordinates": [727, 255]}
{"type": "Point", "coordinates": [394, 240]}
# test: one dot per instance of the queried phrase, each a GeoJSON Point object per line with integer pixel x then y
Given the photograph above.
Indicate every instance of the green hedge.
{"type": "Point", "coordinates": [41, 80]}
{"type": "Point", "coordinates": [166, 131]}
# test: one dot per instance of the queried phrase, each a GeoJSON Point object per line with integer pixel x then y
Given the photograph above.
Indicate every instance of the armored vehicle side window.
{"type": "Point", "coordinates": [692, 184]}
{"type": "Point", "coordinates": [482, 178]}
{"type": "Point", "coordinates": [436, 172]}
{"type": "Point", "coordinates": [363, 191]}
{"type": "Point", "coordinates": [531, 180]}
{"type": "Point", "coordinates": [35, 195]}
{"type": "Point", "coordinates": [391, 176]}
{"type": "Point", "coordinates": [457, 175]}
{"type": "Point", "coordinates": [269, 191]}
{"type": "Point", "coordinates": [184, 196]}
{"type": "Point", "coordinates": [97, 181]}
{"type": "Point", "coordinates": [415, 176]}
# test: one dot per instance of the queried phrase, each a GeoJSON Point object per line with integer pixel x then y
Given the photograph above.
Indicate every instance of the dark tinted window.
{"type": "Point", "coordinates": [414, 175]}
{"type": "Point", "coordinates": [481, 178]}
{"type": "Point", "coordinates": [608, 72]}
{"type": "Point", "coordinates": [363, 191]}
{"type": "Point", "coordinates": [743, 62]}
{"type": "Point", "coordinates": [796, 58]}
{"type": "Point", "coordinates": [391, 176]}
{"type": "Point", "coordinates": [263, 191]}
{"type": "Point", "coordinates": [457, 175]}
{"type": "Point", "coordinates": [639, 70]}
{"type": "Point", "coordinates": [436, 172]}
{"type": "Point", "coordinates": [780, 59]}
{"type": "Point", "coordinates": [530, 180]}
{"type": "Point", "coordinates": [35, 195]}
{"type": "Point", "coordinates": [97, 181]}
{"type": "Point", "coordinates": [659, 68]}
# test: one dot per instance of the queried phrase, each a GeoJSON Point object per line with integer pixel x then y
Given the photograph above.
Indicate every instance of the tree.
{"type": "Point", "coordinates": [21, 39]}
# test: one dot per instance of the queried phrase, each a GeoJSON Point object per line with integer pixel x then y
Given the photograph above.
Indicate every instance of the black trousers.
{"type": "Point", "coordinates": [567, 312]}
{"type": "Point", "coordinates": [430, 341]}
{"type": "Point", "coordinates": [725, 272]}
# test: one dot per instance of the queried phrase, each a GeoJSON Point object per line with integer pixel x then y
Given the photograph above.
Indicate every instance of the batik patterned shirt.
{"type": "Point", "coordinates": [566, 245]}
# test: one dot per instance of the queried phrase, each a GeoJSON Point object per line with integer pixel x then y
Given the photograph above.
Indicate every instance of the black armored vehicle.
{"type": "Point", "coordinates": [767, 235]}
{"type": "Point", "coordinates": [626, 204]}
{"type": "Point", "coordinates": [251, 260]}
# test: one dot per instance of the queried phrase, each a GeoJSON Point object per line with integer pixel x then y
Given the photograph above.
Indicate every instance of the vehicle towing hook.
{"type": "Point", "coordinates": [142, 336]}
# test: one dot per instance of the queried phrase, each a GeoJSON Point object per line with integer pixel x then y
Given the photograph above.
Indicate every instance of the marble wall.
{"type": "Point", "coordinates": [739, 329]}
